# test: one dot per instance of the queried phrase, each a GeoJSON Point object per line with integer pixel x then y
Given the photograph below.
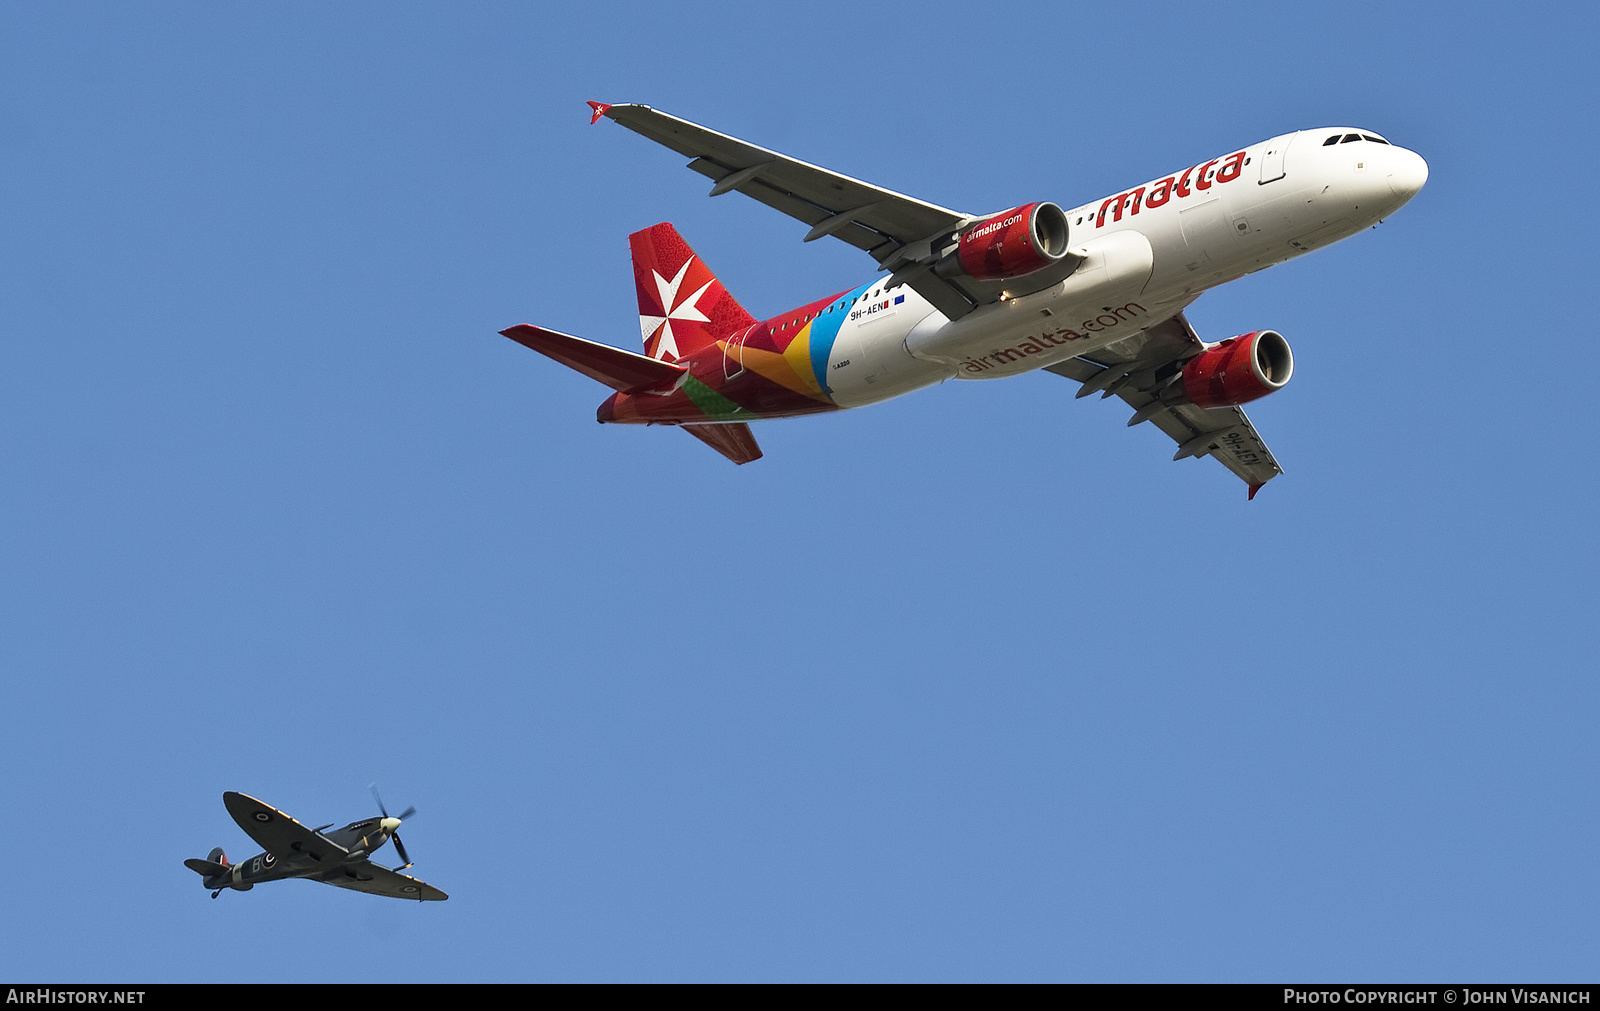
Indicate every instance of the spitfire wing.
{"type": "Point", "coordinates": [1149, 359]}
{"type": "Point", "coordinates": [899, 231]}
{"type": "Point", "coordinates": [369, 877]}
{"type": "Point", "coordinates": [277, 833]}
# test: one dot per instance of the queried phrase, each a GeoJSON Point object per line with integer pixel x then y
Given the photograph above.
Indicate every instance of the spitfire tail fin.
{"type": "Point", "coordinates": [683, 308]}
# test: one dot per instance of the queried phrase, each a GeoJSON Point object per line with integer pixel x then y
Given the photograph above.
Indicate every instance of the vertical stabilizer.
{"type": "Point", "coordinates": [683, 308]}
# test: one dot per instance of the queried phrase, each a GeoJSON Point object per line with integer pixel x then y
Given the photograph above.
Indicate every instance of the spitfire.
{"type": "Point", "coordinates": [341, 858]}
{"type": "Point", "coordinates": [1095, 294]}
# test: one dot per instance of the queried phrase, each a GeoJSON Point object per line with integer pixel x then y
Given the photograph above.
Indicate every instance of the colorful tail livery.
{"type": "Point", "coordinates": [683, 308]}
{"type": "Point", "coordinates": [1095, 293]}
{"type": "Point", "coordinates": [708, 366]}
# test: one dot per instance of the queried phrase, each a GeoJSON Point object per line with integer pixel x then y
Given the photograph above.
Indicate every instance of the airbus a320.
{"type": "Point", "coordinates": [1094, 293]}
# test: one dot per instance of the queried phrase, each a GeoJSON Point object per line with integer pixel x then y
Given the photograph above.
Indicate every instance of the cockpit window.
{"type": "Point", "coordinates": [1348, 138]}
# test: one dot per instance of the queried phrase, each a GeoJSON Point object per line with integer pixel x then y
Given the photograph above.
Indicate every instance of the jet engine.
{"type": "Point", "coordinates": [1238, 370]}
{"type": "Point", "coordinates": [1009, 244]}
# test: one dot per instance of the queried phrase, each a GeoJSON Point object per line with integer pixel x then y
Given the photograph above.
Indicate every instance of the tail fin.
{"type": "Point", "coordinates": [682, 306]}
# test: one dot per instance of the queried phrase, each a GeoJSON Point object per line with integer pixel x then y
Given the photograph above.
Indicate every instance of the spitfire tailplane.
{"type": "Point", "coordinates": [683, 308]}
{"type": "Point", "coordinates": [206, 868]}
{"type": "Point", "coordinates": [214, 870]}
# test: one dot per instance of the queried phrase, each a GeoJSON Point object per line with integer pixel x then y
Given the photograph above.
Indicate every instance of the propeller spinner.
{"type": "Point", "coordinates": [392, 826]}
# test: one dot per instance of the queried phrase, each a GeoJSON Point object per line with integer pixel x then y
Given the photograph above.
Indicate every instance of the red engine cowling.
{"type": "Point", "coordinates": [1238, 370]}
{"type": "Point", "coordinates": [1012, 243]}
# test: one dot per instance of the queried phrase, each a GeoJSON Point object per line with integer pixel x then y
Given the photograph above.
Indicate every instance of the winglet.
{"type": "Point", "coordinates": [600, 109]}
{"type": "Point", "coordinates": [1255, 488]}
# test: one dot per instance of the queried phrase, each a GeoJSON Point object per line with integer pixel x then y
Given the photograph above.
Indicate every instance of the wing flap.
{"type": "Point", "coordinates": [815, 209]}
{"type": "Point", "coordinates": [1227, 435]}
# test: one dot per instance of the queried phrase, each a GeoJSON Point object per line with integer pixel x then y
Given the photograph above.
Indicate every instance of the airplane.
{"type": "Point", "coordinates": [1095, 294]}
{"type": "Point", "coordinates": [341, 858]}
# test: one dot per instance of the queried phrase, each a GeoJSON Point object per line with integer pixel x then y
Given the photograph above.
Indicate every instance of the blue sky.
{"type": "Point", "coordinates": [974, 685]}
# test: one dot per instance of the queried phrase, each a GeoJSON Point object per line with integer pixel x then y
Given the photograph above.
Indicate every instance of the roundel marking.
{"type": "Point", "coordinates": [268, 860]}
{"type": "Point", "coordinates": [408, 888]}
{"type": "Point", "coordinates": [263, 816]}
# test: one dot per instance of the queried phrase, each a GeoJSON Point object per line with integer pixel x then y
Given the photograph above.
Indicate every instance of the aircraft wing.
{"type": "Point", "coordinates": [1137, 369]}
{"type": "Point", "coordinates": [373, 879]}
{"type": "Point", "coordinates": [899, 231]}
{"type": "Point", "coordinates": [277, 833]}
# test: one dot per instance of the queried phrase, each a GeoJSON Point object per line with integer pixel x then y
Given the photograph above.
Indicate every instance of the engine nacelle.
{"type": "Point", "coordinates": [1010, 244]}
{"type": "Point", "coordinates": [1238, 370]}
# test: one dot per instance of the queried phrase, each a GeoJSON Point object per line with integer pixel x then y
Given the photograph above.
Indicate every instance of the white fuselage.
{"type": "Point", "coordinates": [1151, 251]}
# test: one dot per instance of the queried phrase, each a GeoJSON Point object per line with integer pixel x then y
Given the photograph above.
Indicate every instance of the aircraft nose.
{"type": "Point", "coordinates": [1407, 173]}
{"type": "Point", "coordinates": [390, 825]}
{"type": "Point", "coordinates": [607, 411]}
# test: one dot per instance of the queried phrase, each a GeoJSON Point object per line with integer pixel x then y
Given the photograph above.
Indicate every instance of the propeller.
{"type": "Point", "coordinates": [399, 847]}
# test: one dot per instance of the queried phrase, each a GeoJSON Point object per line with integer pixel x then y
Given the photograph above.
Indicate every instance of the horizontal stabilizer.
{"type": "Point", "coordinates": [733, 441]}
{"type": "Point", "coordinates": [205, 868]}
{"type": "Point", "coordinates": [621, 370]}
